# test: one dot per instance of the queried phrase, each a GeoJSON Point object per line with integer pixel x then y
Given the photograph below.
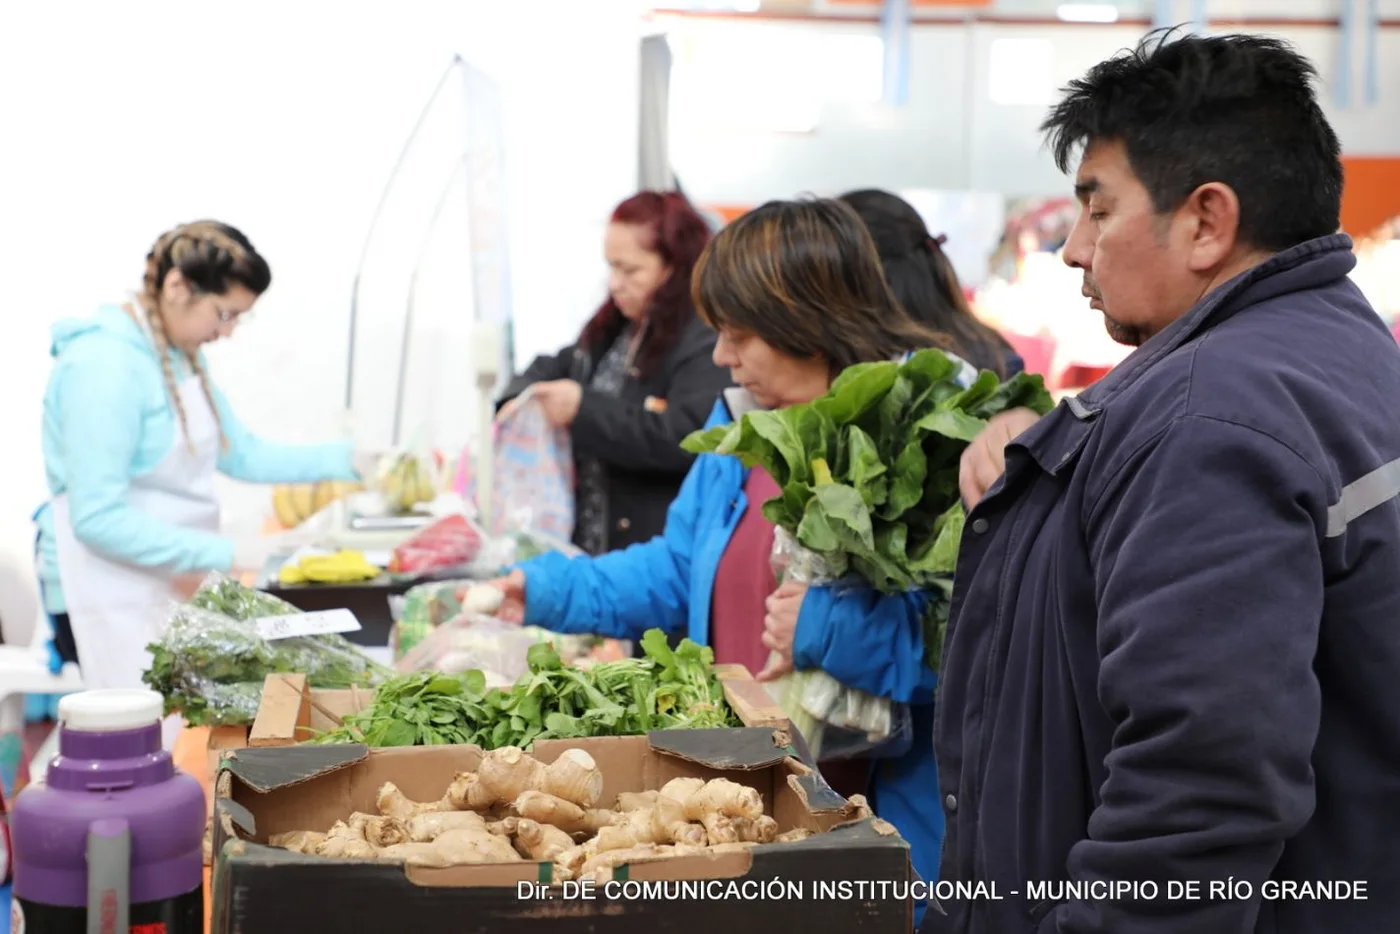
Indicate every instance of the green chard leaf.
{"type": "Point", "coordinates": [951, 423]}
{"type": "Point", "coordinates": [1024, 390]}
{"type": "Point", "coordinates": [856, 390]}
{"type": "Point", "coordinates": [707, 440]}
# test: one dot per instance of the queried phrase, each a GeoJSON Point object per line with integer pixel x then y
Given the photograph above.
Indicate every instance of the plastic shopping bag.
{"type": "Point", "coordinates": [533, 479]}
{"type": "Point", "coordinates": [838, 722]}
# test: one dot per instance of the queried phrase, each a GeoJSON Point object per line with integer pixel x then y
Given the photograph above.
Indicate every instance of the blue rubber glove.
{"type": "Point", "coordinates": [55, 661]}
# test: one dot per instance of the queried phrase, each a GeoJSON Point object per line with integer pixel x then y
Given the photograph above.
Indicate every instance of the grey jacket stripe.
{"type": "Point", "coordinates": [1361, 496]}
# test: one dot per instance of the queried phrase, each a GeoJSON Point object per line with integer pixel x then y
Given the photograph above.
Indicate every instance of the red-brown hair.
{"type": "Point", "coordinates": [677, 233]}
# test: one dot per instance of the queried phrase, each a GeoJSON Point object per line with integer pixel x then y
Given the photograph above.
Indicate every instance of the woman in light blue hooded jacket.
{"type": "Point", "coordinates": [133, 434]}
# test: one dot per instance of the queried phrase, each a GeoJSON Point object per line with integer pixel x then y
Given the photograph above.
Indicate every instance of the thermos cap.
{"type": "Point", "coordinates": [110, 710]}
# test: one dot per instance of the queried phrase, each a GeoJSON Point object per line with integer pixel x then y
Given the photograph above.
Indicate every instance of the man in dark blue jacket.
{"type": "Point", "coordinates": [1171, 694]}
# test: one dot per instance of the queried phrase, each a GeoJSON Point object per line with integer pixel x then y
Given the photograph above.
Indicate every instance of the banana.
{"type": "Point", "coordinates": [339, 568]}
{"type": "Point", "coordinates": [283, 506]}
{"type": "Point", "coordinates": [305, 499]}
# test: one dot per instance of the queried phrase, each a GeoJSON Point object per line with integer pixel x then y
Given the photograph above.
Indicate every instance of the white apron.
{"type": "Point", "coordinates": [116, 609]}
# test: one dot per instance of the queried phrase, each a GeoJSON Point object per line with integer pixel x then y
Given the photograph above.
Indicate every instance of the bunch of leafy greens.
{"type": "Point", "coordinates": [210, 662]}
{"type": "Point", "coordinates": [666, 690]}
{"type": "Point", "coordinates": [869, 472]}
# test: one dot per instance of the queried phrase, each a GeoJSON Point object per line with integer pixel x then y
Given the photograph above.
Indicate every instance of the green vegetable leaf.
{"type": "Point", "coordinates": [846, 514]}
{"type": "Point", "coordinates": [779, 429]}
{"type": "Point", "coordinates": [399, 733]}
{"type": "Point", "coordinates": [474, 683]}
{"type": "Point", "coordinates": [543, 657]}
{"type": "Point", "coordinates": [975, 395]}
{"type": "Point", "coordinates": [856, 390]}
{"type": "Point", "coordinates": [907, 482]}
{"type": "Point", "coordinates": [1024, 390]}
{"type": "Point", "coordinates": [865, 467]}
{"type": "Point", "coordinates": [952, 423]}
{"type": "Point", "coordinates": [706, 441]}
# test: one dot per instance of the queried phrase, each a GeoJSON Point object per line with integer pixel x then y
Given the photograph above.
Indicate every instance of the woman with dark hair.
{"type": "Point", "coordinates": [795, 293]}
{"type": "Point", "coordinates": [133, 433]}
{"type": "Point", "coordinates": [639, 378]}
{"type": "Point", "coordinates": [923, 279]}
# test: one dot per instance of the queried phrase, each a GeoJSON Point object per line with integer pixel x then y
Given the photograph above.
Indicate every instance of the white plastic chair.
{"type": "Point", "coordinates": [24, 670]}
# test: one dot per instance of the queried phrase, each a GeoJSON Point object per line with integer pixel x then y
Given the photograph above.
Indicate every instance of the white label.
{"type": "Point", "coordinates": [319, 623]}
{"type": "Point", "coordinates": [379, 559]}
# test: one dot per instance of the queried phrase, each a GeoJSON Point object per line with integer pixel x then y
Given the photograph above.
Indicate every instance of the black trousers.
{"type": "Point", "coordinates": [63, 638]}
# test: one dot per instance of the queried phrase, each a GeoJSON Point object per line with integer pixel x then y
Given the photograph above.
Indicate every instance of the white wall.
{"type": "Point", "coordinates": [284, 119]}
{"type": "Point", "coordinates": [950, 134]}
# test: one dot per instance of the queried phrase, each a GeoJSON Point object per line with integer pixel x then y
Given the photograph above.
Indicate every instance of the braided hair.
{"type": "Point", "coordinates": [212, 257]}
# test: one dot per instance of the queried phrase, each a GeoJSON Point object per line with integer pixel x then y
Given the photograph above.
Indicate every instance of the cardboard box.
{"type": "Point", "coordinates": [290, 712]}
{"type": "Point", "coordinates": [262, 791]}
{"type": "Point", "coordinates": [222, 739]}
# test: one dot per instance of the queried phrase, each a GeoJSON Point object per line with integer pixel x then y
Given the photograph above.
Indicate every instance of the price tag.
{"type": "Point", "coordinates": [319, 623]}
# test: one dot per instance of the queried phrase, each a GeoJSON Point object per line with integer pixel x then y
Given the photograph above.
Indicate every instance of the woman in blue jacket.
{"type": "Point", "coordinates": [133, 434]}
{"type": "Point", "coordinates": [795, 292]}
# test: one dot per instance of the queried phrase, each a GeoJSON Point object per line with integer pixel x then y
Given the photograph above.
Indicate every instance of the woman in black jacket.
{"type": "Point", "coordinates": [923, 279]}
{"type": "Point", "coordinates": [638, 380]}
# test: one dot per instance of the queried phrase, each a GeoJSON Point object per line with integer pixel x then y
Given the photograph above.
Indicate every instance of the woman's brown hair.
{"type": "Point", "coordinates": [805, 278]}
{"type": "Point", "coordinates": [212, 257]}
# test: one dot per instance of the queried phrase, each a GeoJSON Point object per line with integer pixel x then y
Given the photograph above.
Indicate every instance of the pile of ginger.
{"type": "Point", "coordinates": [514, 808]}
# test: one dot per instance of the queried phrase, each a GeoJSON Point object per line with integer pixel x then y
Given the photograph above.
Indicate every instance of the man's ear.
{"type": "Point", "coordinates": [1214, 210]}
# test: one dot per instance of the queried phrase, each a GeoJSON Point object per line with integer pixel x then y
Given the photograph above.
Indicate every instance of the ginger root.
{"type": "Point", "coordinates": [663, 823]}
{"type": "Point", "coordinates": [489, 847]}
{"type": "Point", "coordinates": [504, 827]}
{"type": "Point", "coordinates": [514, 807]}
{"type": "Point", "coordinates": [547, 809]}
{"type": "Point", "coordinates": [792, 836]}
{"type": "Point", "coordinates": [636, 800]}
{"type": "Point", "coordinates": [379, 830]}
{"type": "Point", "coordinates": [721, 796]}
{"type": "Point", "coordinates": [762, 829]}
{"type": "Point", "coordinates": [394, 803]}
{"type": "Point", "coordinates": [541, 842]}
{"type": "Point", "coordinates": [298, 841]}
{"type": "Point", "coordinates": [453, 848]}
{"type": "Point", "coordinates": [507, 773]}
{"type": "Point", "coordinates": [600, 867]}
{"type": "Point", "coordinates": [467, 793]}
{"type": "Point", "coordinates": [344, 842]}
{"type": "Point", "coordinates": [429, 825]}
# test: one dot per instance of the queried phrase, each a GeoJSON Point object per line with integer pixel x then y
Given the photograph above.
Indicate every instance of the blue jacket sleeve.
{"type": "Point", "coordinates": [1210, 597]}
{"type": "Point", "coordinates": [100, 420]}
{"type": "Point", "coordinates": [624, 593]}
{"type": "Point", "coordinates": [865, 640]}
{"type": "Point", "coordinates": [253, 460]}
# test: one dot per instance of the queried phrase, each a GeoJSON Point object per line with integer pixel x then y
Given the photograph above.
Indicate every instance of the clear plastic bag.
{"type": "Point", "coordinates": [533, 473]}
{"type": "Point", "coordinates": [211, 660]}
{"type": "Point", "coordinates": [497, 649]}
{"type": "Point", "coordinates": [838, 722]}
{"type": "Point", "coordinates": [408, 478]}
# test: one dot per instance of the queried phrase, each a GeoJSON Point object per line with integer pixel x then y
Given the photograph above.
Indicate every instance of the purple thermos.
{"type": "Point", "coordinates": [112, 841]}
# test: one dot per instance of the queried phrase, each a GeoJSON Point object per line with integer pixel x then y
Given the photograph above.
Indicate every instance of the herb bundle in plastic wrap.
{"type": "Point", "coordinates": [211, 661]}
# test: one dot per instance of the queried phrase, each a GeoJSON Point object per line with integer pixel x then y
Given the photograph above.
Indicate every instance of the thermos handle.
{"type": "Point", "coordinates": [109, 876]}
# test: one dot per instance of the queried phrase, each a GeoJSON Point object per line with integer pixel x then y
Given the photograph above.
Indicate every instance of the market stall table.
{"type": "Point", "coordinates": [191, 755]}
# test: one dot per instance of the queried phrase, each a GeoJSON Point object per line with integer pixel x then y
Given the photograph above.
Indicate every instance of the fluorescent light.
{"type": "Point", "coordinates": [1087, 12]}
{"type": "Point", "coordinates": [746, 6]}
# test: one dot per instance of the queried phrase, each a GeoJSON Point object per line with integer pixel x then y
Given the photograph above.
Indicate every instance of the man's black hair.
{"type": "Point", "coordinates": [1237, 109]}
